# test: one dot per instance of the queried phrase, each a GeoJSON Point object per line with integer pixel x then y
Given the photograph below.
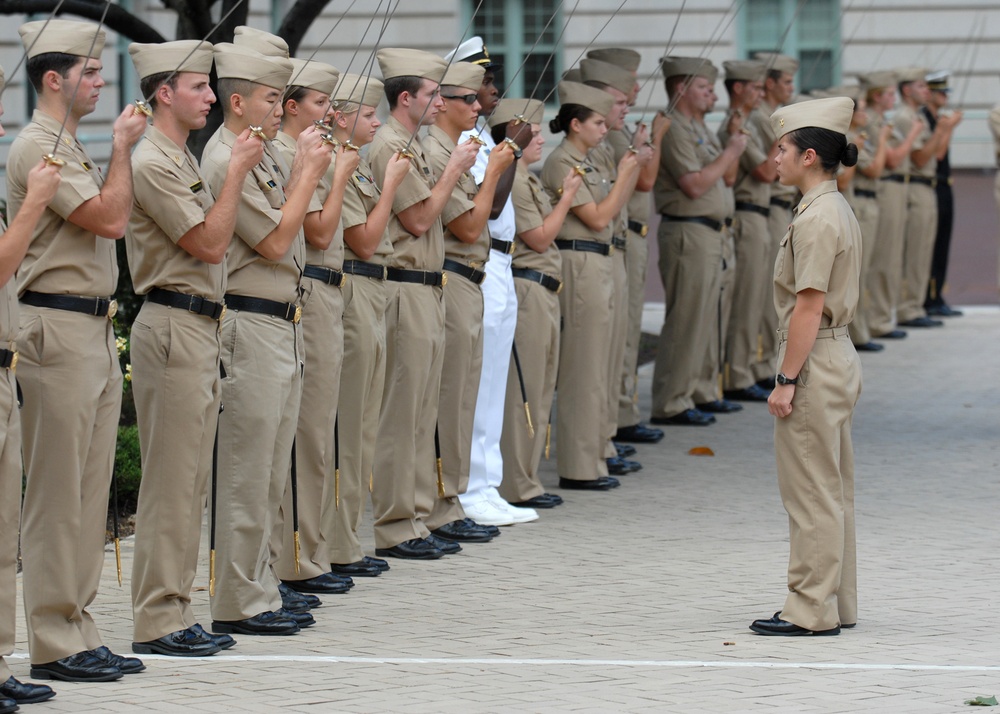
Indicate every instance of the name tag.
{"type": "Point", "coordinates": [86, 165]}
{"type": "Point", "coordinates": [196, 186]}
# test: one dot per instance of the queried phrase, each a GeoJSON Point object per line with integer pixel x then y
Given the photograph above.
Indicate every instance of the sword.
{"type": "Point", "coordinates": [524, 394]}
{"type": "Point", "coordinates": [295, 509]}
{"type": "Point", "coordinates": [52, 14]}
{"type": "Point", "coordinates": [215, 496]}
{"type": "Point", "coordinates": [114, 526]}
{"type": "Point", "coordinates": [437, 456]}
{"type": "Point", "coordinates": [336, 460]}
{"type": "Point", "coordinates": [670, 41]}
{"type": "Point", "coordinates": [369, 66]}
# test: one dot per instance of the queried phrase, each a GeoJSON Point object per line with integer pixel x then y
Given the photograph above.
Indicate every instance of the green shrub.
{"type": "Point", "coordinates": [128, 469]}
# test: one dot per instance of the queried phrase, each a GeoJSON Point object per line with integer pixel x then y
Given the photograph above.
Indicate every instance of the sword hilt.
{"type": "Point", "coordinates": [350, 146]}
{"type": "Point", "coordinates": [258, 132]}
{"type": "Point", "coordinates": [53, 160]}
{"type": "Point", "coordinates": [406, 154]}
{"type": "Point", "coordinates": [142, 108]}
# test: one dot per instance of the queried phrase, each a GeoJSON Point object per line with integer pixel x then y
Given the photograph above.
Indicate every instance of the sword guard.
{"type": "Point", "coordinates": [632, 149]}
{"type": "Point", "coordinates": [323, 126]}
{"type": "Point", "coordinates": [406, 154]}
{"type": "Point", "coordinates": [53, 160]}
{"type": "Point", "coordinates": [258, 132]}
{"type": "Point", "coordinates": [350, 146]}
{"type": "Point", "coordinates": [512, 144]}
{"type": "Point", "coordinates": [580, 170]}
{"type": "Point", "coordinates": [477, 139]}
{"type": "Point", "coordinates": [142, 108]}
{"type": "Point", "coordinates": [519, 119]}
{"type": "Point", "coordinates": [329, 140]}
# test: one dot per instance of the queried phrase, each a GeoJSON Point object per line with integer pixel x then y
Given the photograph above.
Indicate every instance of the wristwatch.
{"type": "Point", "coordinates": [782, 379]}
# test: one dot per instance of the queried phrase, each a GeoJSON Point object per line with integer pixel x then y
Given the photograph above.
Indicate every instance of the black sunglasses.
{"type": "Point", "coordinates": [469, 99]}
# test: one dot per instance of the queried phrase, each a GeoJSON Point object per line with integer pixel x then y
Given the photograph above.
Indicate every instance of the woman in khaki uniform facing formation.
{"type": "Point", "coordinates": [587, 300]}
{"type": "Point", "coordinates": [816, 291]}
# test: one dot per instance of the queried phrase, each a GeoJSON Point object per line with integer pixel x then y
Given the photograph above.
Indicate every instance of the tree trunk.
{"type": "Point", "coordinates": [117, 19]}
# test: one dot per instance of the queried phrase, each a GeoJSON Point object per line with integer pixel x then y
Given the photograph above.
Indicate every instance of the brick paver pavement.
{"type": "Point", "coordinates": [639, 599]}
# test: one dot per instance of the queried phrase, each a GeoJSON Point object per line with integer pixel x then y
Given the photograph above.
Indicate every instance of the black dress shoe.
{"type": "Point", "coordinates": [463, 532]}
{"type": "Point", "coordinates": [378, 562]}
{"type": "Point", "coordinates": [620, 467]}
{"type": "Point", "coordinates": [25, 692]}
{"type": "Point", "coordinates": [601, 483]}
{"type": "Point", "coordinates": [546, 500]}
{"type": "Point", "coordinates": [753, 393]}
{"type": "Point", "coordinates": [182, 643]}
{"type": "Point", "coordinates": [783, 628]}
{"type": "Point", "coordinates": [767, 383]}
{"type": "Point", "coordinates": [688, 417]}
{"type": "Point", "coordinates": [302, 619]}
{"type": "Point", "coordinates": [891, 335]}
{"type": "Point", "coordinates": [293, 601]}
{"type": "Point", "coordinates": [266, 623]}
{"type": "Point", "coordinates": [325, 584]}
{"type": "Point", "coordinates": [413, 549]}
{"type": "Point", "coordinates": [941, 310]}
{"type": "Point", "coordinates": [492, 530]}
{"type": "Point", "coordinates": [127, 665]}
{"type": "Point", "coordinates": [223, 642]}
{"type": "Point", "coordinates": [639, 434]}
{"type": "Point", "coordinates": [359, 569]}
{"type": "Point", "coordinates": [448, 547]}
{"type": "Point", "coordinates": [922, 322]}
{"type": "Point", "coordinates": [719, 406]}
{"type": "Point", "coordinates": [624, 450]}
{"type": "Point", "coordinates": [870, 347]}
{"type": "Point", "coordinates": [7, 706]}
{"type": "Point", "coordinates": [80, 667]}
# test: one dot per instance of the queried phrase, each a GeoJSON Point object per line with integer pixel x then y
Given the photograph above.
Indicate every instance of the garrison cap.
{"type": "Point", "coordinates": [465, 75]}
{"type": "Point", "coordinates": [530, 111]}
{"type": "Point", "coordinates": [688, 67]}
{"type": "Point", "coordinates": [595, 99]}
{"type": "Point", "coordinates": [352, 89]}
{"type": "Point", "coordinates": [618, 56]}
{"type": "Point", "coordinates": [852, 91]}
{"type": "Point", "coordinates": [319, 76]}
{"type": "Point", "coordinates": [236, 62]}
{"type": "Point", "coordinates": [165, 57]}
{"type": "Point", "coordinates": [263, 42]}
{"type": "Point", "coordinates": [66, 36]}
{"type": "Point", "coordinates": [938, 81]}
{"type": "Point", "coordinates": [593, 70]}
{"type": "Point", "coordinates": [573, 75]}
{"type": "Point", "coordinates": [404, 62]}
{"type": "Point", "coordinates": [745, 70]}
{"type": "Point", "coordinates": [833, 113]}
{"type": "Point", "coordinates": [910, 74]}
{"type": "Point", "coordinates": [877, 80]}
{"type": "Point", "coordinates": [782, 63]}
{"type": "Point", "coordinates": [474, 50]}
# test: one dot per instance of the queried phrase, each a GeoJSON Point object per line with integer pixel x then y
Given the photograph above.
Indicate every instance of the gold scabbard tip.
{"type": "Point", "coordinates": [298, 548]}
{"type": "Point", "coordinates": [527, 415]}
{"type": "Point", "coordinates": [118, 559]}
{"type": "Point", "coordinates": [211, 573]}
{"type": "Point", "coordinates": [548, 439]}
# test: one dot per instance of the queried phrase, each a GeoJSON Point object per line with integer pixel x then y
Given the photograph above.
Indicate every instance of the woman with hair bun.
{"type": "Point", "coordinates": [816, 291]}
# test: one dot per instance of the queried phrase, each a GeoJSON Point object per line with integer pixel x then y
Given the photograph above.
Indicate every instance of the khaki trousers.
{"type": "Point", "coordinates": [405, 481]}
{"type": "Point", "coordinates": [866, 211]}
{"type": "Point", "coordinates": [176, 385]}
{"type": "Point", "coordinates": [636, 260]}
{"type": "Point", "coordinates": [766, 367]}
{"type": "Point", "coordinates": [709, 387]}
{"type": "Point", "coordinates": [322, 328]}
{"type": "Point", "coordinates": [72, 400]}
{"type": "Point", "coordinates": [752, 283]}
{"type": "Point", "coordinates": [10, 512]}
{"type": "Point", "coordinates": [886, 269]}
{"type": "Point", "coordinates": [691, 270]}
{"type": "Point", "coordinates": [918, 250]}
{"type": "Point", "coordinates": [537, 339]}
{"type": "Point", "coordinates": [587, 305]}
{"type": "Point", "coordinates": [815, 461]}
{"type": "Point", "coordinates": [362, 378]}
{"type": "Point", "coordinates": [616, 361]}
{"type": "Point", "coordinates": [460, 373]}
{"type": "Point", "coordinates": [263, 357]}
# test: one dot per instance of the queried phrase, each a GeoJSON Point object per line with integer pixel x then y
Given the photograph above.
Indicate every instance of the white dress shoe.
{"type": "Point", "coordinates": [517, 514]}
{"type": "Point", "coordinates": [486, 513]}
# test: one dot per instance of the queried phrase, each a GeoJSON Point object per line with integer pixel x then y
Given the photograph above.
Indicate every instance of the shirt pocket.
{"type": "Point", "coordinates": [783, 248]}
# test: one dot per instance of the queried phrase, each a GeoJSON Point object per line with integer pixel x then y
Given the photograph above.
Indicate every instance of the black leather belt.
{"type": "Point", "coordinates": [701, 220]}
{"type": "Point", "coordinates": [96, 306]}
{"type": "Point", "coordinates": [897, 178]}
{"type": "Point", "coordinates": [192, 303]}
{"type": "Point", "coordinates": [284, 310]}
{"type": "Point", "coordinates": [753, 208]}
{"type": "Point", "coordinates": [780, 203]}
{"type": "Point", "coordinates": [422, 277]}
{"type": "Point", "coordinates": [326, 275]}
{"type": "Point", "coordinates": [453, 266]}
{"type": "Point", "coordinates": [367, 270]}
{"type": "Point", "coordinates": [502, 246]}
{"type": "Point", "coordinates": [619, 243]}
{"type": "Point", "coordinates": [8, 359]}
{"type": "Point", "coordinates": [640, 228]}
{"type": "Point", "coordinates": [923, 180]}
{"type": "Point", "coordinates": [865, 193]}
{"type": "Point", "coordinates": [585, 246]}
{"type": "Point", "coordinates": [544, 280]}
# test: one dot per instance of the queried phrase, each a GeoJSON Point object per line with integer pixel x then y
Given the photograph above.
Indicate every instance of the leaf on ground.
{"type": "Point", "coordinates": [701, 451]}
{"type": "Point", "coordinates": [982, 702]}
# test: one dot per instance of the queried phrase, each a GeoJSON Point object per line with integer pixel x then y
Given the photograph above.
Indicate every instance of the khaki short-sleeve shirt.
{"type": "Point", "coordinates": [9, 325]}
{"type": "Point", "coordinates": [822, 251]}
{"type": "Point", "coordinates": [438, 147]}
{"type": "Point", "coordinates": [866, 139]}
{"type": "Point", "coordinates": [637, 207]}
{"type": "Point", "coordinates": [424, 252]}
{"type": "Point", "coordinates": [747, 188]}
{"type": "Point", "coordinates": [259, 213]}
{"type": "Point", "coordinates": [63, 258]}
{"type": "Point", "coordinates": [170, 197]}
{"type": "Point", "coordinates": [360, 198]}
{"type": "Point", "coordinates": [531, 205]}
{"type": "Point", "coordinates": [688, 149]}
{"type": "Point", "coordinates": [902, 122]}
{"type": "Point", "coordinates": [595, 188]}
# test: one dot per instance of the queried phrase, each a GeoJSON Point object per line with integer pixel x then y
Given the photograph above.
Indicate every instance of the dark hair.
{"type": "Point", "coordinates": [294, 93]}
{"type": "Point", "coordinates": [774, 75]}
{"type": "Point", "coordinates": [150, 85]}
{"type": "Point", "coordinates": [567, 113]}
{"type": "Point", "coordinates": [499, 133]}
{"type": "Point", "coordinates": [397, 85]}
{"type": "Point", "coordinates": [228, 86]}
{"type": "Point", "coordinates": [673, 83]}
{"type": "Point", "coordinates": [38, 65]}
{"type": "Point", "coordinates": [830, 146]}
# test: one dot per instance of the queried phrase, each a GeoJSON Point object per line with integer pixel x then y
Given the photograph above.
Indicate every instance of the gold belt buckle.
{"type": "Point", "coordinates": [13, 362]}
{"type": "Point", "coordinates": [112, 309]}
{"type": "Point", "coordinates": [611, 249]}
{"type": "Point", "coordinates": [560, 288]}
{"type": "Point", "coordinates": [223, 313]}
{"type": "Point", "coordinates": [298, 315]}
{"type": "Point", "coordinates": [510, 248]}
{"type": "Point", "coordinates": [644, 231]}
{"type": "Point", "coordinates": [343, 279]}
{"type": "Point", "coordinates": [444, 278]}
